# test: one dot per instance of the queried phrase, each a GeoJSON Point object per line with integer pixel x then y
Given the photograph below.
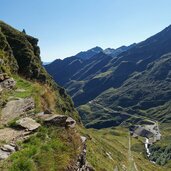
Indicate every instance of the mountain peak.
{"type": "Point", "coordinates": [89, 53]}
{"type": "Point", "coordinates": [96, 49]}
{"type": "Point", "coordinates": [117, 51]}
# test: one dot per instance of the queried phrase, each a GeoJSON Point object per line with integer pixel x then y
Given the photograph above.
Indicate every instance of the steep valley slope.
{"type": "Point", "coordinates": [136, 82]}
{"type": "Point", "coordinates": [130, 88]}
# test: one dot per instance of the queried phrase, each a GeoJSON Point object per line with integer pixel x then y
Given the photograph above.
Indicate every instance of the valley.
{"type": "Point", "coordinates": [119, 119]}
{"type": "Point", "coordinates": [127, 88]}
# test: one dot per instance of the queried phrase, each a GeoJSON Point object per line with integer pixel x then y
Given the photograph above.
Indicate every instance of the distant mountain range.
{"type": "Point", "coordinates": [113, 86]}
{"type": "Point", "coordinates": [115, 52]}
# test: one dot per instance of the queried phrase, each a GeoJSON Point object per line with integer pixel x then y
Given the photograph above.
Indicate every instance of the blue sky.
{"type": "Point", "coordinates": [65, 27]}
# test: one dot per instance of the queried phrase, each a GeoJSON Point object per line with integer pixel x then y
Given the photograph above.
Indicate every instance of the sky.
{"type": "Point", "coordinates": [66, 27]}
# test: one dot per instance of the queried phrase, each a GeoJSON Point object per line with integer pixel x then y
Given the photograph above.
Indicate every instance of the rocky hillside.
{"type": "Point", "coordinates": [40, 130]}
{"type": "Point", "coordinates": [20, 55]}
{"type": "Point", "coordinates": [38, 119]}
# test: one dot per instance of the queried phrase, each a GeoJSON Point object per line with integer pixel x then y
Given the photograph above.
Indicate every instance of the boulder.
{"type": "Point", "coordinates": [16, 108]}
{"type": "Point", "coordinates": [28, 123]}
{"type": "Point", "coordinates": [6, 150]}
{"type": "Point", "coordinates": [57, 120]}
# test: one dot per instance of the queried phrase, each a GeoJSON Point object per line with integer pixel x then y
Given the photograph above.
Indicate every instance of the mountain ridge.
{"type": "Point", "coordinates": [88, 81]}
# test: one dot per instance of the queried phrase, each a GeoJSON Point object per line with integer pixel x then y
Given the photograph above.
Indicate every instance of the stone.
{"type": "Point", "coordinates": [3, 154]}
{"type": "Point", "coordinates": [83, 139]}
{"type": "Point", "coordinates": [57, 120]}
{"type": "Point", "coordinates": [8, 83]}
{"type": "Point", "coordinates": [28, 123]}
{"type": "Point", "coordinates": [8, 148]}
{"type": "Point", "coordinates": [70, 122]}
{"type": "Point", "coordinates": [53, 119]}
{"type": "Point", "coordinates": [16, 108]}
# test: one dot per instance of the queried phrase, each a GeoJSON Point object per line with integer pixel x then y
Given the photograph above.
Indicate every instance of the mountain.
{"type": "Point", "coordinates": [145, 94]}
{"type": "Point", "coordinates": [132, 87]}
{"type": "Point", "coordinates": [77, 73]}
{"type": "Point", "coordinates": [36, 113]}
{"type": "Point", "coordinates": [46, 63]}
{"type": "Point", "coordinates": [87, 80]}
{"type": "Point", "coordinates": [89, 53]}
{"type": "Point", "coordinates": [41, 129]}
{"type": "Point", "coordinates": [116, 52]}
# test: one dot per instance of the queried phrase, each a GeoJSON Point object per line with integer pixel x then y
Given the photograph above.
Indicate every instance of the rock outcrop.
{"type": "Point", "coordinates": [57, 120]}
{"type": "Point", "coordinates": [20, 56]}
{"type": "Point", "coordinates": [28, 124]}
{"type": "Point", "coordinates": [15, 108]}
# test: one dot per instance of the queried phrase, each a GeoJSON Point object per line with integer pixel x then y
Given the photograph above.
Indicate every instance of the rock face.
{"type": "Point", "coordinates": [28, 123]}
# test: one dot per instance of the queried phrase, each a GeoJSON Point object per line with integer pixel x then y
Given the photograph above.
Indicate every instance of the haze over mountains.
{"type": "Point", "coordinates": [111, 86]}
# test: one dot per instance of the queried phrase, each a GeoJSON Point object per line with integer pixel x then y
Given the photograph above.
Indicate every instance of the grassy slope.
{"type": "Point", "coordinates": [144, 95]}
{"type": "Point", "coordinates": [50, 148]}
{"type": "Point", "coordinates": [115, 141]}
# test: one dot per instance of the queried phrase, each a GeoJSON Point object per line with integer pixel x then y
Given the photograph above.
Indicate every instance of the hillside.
{"type": "Point", "coordinates": [143, 95]}
{"type": "Point", "coordinates": [37, 116]}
